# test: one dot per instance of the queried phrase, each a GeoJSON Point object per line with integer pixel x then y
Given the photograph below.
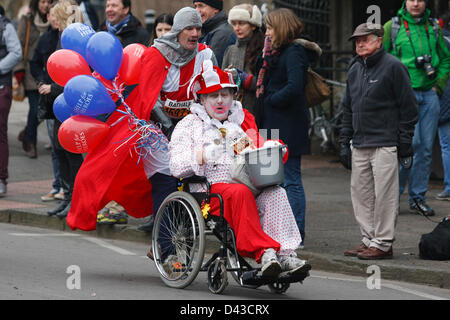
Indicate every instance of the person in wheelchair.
{"type": "Point", "coordinates": [203, 144]}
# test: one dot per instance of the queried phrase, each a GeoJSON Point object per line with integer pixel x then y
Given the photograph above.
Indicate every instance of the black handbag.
{"type": "Point", "coordinates": [45, 107]}
{"type": "Point", "coordinates": [436, 244]}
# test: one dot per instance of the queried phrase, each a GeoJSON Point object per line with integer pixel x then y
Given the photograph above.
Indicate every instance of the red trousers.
{"type": "Point", "coordinates": [242, 215]}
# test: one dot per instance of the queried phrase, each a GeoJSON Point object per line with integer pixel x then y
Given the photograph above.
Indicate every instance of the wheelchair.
{"type": "Point", "coordinates": [178, 243]}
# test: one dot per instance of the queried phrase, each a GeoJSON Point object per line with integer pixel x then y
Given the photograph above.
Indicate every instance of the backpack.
{"type": "Point", "coordinates": [396, 25]}
{"type": "Point", "coordinates": [436, 244]}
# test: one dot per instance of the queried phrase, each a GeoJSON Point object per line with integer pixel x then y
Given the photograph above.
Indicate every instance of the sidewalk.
{"type": "Point", "coordinates": [330, 225]}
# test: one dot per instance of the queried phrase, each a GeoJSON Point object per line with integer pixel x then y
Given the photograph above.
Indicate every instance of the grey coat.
{"type": "Point", "coordinates": [235, 56]}
{"type": "Point", "coordinates": [35, 32]}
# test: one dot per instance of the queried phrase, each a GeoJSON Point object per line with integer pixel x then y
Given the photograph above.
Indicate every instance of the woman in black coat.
{"type": "Point", "coordinates": [282, 101]}
{"type": "Point", "coordinates": [49, 42]}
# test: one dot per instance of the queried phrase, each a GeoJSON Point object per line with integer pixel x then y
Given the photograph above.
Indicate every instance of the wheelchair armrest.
{"type": "Point", "coordinates": [197, 179]}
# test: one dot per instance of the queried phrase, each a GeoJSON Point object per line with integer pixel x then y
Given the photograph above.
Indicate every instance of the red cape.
{"type": "Point", "coordinates": [111, 171]}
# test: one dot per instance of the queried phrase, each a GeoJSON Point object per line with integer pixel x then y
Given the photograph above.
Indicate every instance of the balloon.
{"type": "Point", "coordinates": [65, 64]}
{"type": "Point", "coordinates": [61, 109]}
{"type": "Point", "coordinates": [87, 96]}
{"type": "Point", "coordinates": [80, 134]}
{"type": "Point", "coordinates": [76, 36]}
{"type": "Point", "coordinates": [108, 84]}
{"type": "Point", "coordinates": [130, 69]}
{"type": "Point", "coordinates": [104, 53]}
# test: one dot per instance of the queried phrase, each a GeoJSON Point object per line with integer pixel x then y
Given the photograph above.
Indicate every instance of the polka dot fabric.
{"type": "Point", "coordinates": [276, 219]}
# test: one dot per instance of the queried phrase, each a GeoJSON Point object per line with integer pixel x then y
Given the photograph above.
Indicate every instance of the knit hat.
{"type": "Point", "coordinates": [186, 17]}
{"type": "Point", "coordinates": [242, 13]}
{"type": "Point", "coordinates": [218, 4]}
{"type": "Point", "coordinates": [211, 79]}
{"type": "Point", "coordinates": [168, 44]}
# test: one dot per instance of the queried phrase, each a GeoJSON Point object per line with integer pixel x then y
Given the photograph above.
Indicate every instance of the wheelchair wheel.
{"type": "Point", "coordinates": [278, 287]}
{"type": "Point", "coordinates": [178, 240]}
{"type": "Point", "coordinates": [217, 277]}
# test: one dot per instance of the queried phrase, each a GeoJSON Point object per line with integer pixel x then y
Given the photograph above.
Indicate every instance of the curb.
{"type": "Point", "coordinates": [116, 232]}
{"type": "Point", "coordinates": [324, 262]}
{"type": "Point", "coordinates": [417, 275]}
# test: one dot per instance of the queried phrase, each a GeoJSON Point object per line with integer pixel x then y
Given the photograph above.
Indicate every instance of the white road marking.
{"type": "Point", "coordinates": [44, 234]}
{"type": "Point", "coordinates": [386, 285]}
{"type": "Point", "coordinates": [109, 246]}
{"type": "Point", "coordinates": [414, 292]}
{"type": "Point", "coordinates": [99, 242]}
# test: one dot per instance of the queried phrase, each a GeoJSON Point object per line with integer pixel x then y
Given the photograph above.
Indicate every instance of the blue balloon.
{"type": "Point", "coordinates": [104, 53]}
{"type": "Point", "coordinates": [61, 109]}
{"type": "Point", "coordinates": [76, 36]}
{"type": "Point", "coordinates": [88, 96]}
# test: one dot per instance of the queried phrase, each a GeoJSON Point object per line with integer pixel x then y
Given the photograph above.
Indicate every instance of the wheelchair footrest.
{"type": "Point", "coordinates": [248, 276]}
{"type": "Point", "coordinates": [253, 279]}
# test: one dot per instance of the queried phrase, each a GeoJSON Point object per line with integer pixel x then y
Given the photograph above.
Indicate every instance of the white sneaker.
{"type": "Point", "coordinates": [270, 265]}
{"type": "Point", "coordinates": [49, 196]}
{"type": "Point", "coordinates": [292, 264]}
{"type": "Point", "coordinates": [60, 194]}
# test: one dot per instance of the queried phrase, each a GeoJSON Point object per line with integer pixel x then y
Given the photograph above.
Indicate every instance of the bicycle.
{"type": "Point", "coordinates": [325, 128]}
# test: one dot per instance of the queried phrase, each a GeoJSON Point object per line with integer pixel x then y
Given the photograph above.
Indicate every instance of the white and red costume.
{"type": "Point", "coordinates": [259, 224]}
{"type": "Point", "coordinates": [110, 172]}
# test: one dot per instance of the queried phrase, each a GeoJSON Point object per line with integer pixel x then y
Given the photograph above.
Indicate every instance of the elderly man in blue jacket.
{"type": "Point", "coordinates": [380, 111]}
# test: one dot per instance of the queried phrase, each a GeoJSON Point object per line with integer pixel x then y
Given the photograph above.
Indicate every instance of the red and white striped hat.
{"type": "Point", "coordinates": [211, 79]}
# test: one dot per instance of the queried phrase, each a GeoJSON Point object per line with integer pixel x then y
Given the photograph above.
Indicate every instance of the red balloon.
{"type": "Point", "coordinates": [80, 134]}
{"type": "Point", "coordinates": [108, 84]}
{"type": "Point", "coordinates": [130, 69]}
{"type": "Point", "coordinates": [64, 64]}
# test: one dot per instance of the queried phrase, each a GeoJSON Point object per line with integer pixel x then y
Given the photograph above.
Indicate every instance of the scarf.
{"type": "Point", "coordinates": [267, 54]}
{"type": "Point", "coordinates": [114, 29]}
{"type": "Point", "coordinates": [172, 50]}
{"type": "Point", "coordinates": [40, 24]}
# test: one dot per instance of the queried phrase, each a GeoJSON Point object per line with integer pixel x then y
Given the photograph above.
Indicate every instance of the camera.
{"type": "Point", "coordinates": [424, 62]}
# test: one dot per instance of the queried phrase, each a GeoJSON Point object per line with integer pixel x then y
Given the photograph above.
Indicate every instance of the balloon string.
{"type": "Point", "coordinates": [151, 138]}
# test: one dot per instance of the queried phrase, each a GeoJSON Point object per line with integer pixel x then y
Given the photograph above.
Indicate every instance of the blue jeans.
{"type": "Point", "coordinates": [57, 183]}
{"type": "Point", "coordinates": [424, 134]}
{"type": "Point", "coordinates": [32, 121]}
{"type": "Point", "coordinates": [295, 192]}
{"type": "Point", "coordinates": [444, 139]}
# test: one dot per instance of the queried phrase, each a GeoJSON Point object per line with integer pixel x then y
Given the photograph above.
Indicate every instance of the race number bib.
{"type": "Point", "coordinates": [177, 109]}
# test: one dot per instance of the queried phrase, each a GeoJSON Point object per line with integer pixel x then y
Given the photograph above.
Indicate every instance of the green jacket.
{"type": "Point", "coordinates": [439, 53]}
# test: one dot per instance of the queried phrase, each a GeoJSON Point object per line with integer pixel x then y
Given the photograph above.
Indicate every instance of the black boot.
{"type": "Point", "coordinates": [64, 212]}
{"type": "Point", "coordinates": [60, 208]}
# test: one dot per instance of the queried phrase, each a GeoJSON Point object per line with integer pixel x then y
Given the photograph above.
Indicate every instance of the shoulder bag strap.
{"type": "Point", "coordinates": [27, 40]}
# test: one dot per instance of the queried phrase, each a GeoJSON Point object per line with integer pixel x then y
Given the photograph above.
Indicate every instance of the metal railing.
{"type": "Point", "coordinates": [315, 15]}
